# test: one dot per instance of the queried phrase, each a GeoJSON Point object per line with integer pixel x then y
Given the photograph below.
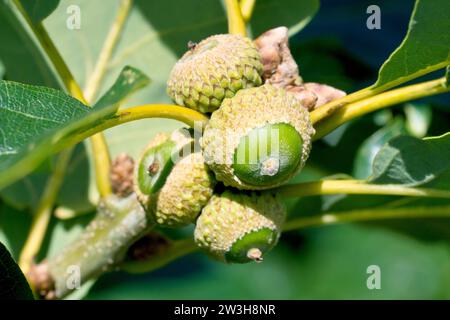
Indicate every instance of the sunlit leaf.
{"type": "Point", "coordinates": [425, 47]}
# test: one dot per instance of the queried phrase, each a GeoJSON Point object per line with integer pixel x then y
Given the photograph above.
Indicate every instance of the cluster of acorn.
{"type": "Point", "coordinates": [223, 185]}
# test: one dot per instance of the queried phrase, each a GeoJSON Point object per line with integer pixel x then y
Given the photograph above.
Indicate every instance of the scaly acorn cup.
{"type": "Point", "coordinates": [240, 227]}
{"type": "Point", "coordinates": [214, 69]}
{"type": "Point", "coordinates": [173, 190]}
{"type": "Point", "coordinates": [258, 139]}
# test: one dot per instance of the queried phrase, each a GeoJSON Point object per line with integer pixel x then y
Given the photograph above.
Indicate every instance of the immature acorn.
{"type": "Point", "coordinates": [174, 192]}
{"type": "Point", "coordinates": [258, 139]}
{"type": "Point", "coordinates": [240, 227]}
{"type": "Point", "coordinates": [214, 69]}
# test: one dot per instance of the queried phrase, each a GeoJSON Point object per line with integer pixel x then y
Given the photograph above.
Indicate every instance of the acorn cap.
{"type": "Point", "coordinates": [251, 112]}
{"type": "Point", "coordinates": [214, 69]}
{"type": "Point", "coordinates": [184, 189]}
{"type": "Point", "coordinates": [239, 227]}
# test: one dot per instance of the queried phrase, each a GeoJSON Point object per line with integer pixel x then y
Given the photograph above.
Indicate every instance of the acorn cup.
{"type": "Point", "coordinates": [240, 227]}
{"type": "Point", "coordinates": [258, 139]}
{"type": "Point", "coordinates": [214, 69]}
{"type": "Point", "coordinates": [171, 179]}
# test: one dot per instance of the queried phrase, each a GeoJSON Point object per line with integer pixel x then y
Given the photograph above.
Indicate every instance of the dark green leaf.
{"type": "Point", "coordinates": [22, 57]}
{"type": "Point", "coordinates": [425, 47]}
{"type": "Point", "coordinates": [38, 10]}
{"type": "Point", "coordinates": [411, 161]}
{"type": "Point", "coordinates": [28, 113]}
{"type": "Point", "coordinates": [74, 194]}
{"type": "Point", "coordinates": [13, 285]}
{"type": "Point", "coordinates": [14, 228]}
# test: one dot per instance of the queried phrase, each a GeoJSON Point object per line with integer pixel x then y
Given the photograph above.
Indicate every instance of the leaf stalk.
{"type": "Point", "coordinates": [350, 111]}
{"type": "Point", "coordinates": [236, 23]}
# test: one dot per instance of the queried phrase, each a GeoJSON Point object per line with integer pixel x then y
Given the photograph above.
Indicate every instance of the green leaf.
{"type": "Point", "coordinates": [13, 285]}
{"type": "Point", "coordinates": [14, 227]}
{"type": "Point", "coordinates": [79, 192]}
{"type": "Point", "coordinates": [362, 167]}
{"type": "Point", "coordinates": [44, 117]}
{"type": "Point", "coordinates": [129, 81]}
{"type": "Point", "coordinates": [425, 47]}
{"type": "Point", "coordinates": [76, 194]}
{"type": "Point", "coordinates": [22, 57]}
{"type": "Point", "coordinates": [38, 10]}
{"type": "Point", "coordinates": [411, 161]}
{"type": "Point", "coordinates": [28, 112]}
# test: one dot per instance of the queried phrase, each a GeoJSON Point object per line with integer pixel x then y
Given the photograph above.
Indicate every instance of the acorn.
{"type": "Point", "coordinates": [214, 69]}
{"type": "Point", "coordinates": [240, 227]}
{"type": "Point", "coordinates": [258, 139]}
{"type": "Point", "coordinates": [171, 179]}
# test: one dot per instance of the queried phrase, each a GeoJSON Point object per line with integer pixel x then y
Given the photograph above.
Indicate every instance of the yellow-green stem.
{"type": "Point", "coordinates": [43, 212]}
{"type": "Point", "coordinates": [372, 214]}
{"type": "Point", "coordinates": [247, 7]}
{"type": "Point", "coordinates": [236, 24]}
{"type": "Point", "coordinates": [382, 100]}
{"type": "Point", "coordinates": [188, 116]}
{"type": "Point", "coordinates": [325, 187]}
{"type": "Point", "coordinates": [328, 109]}
{"type": "Point", "coordinates": [101, 155]}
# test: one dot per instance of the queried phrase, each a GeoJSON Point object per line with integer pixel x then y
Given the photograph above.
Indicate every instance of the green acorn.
{"type": "Point", "coordinates": [214, 69]}
{"type": "Point", "coordinates": [258, 139]}
{"type": "Point", "coordinates": [173, 187]}
{"type": "Point", "coordinates": [238, 227]}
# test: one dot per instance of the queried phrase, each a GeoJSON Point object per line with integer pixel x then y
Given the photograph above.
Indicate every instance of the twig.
{"type": "Point", "coordinates": [325, 187]}
{"type": "Point", "coordinates": [367, 105]}
{"type": "Point", "coordinates": [236, 24]}
{"type": "Point", "coordinates": [189, 116]}
{"type": "Point", "coordinates": [247, 7]}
